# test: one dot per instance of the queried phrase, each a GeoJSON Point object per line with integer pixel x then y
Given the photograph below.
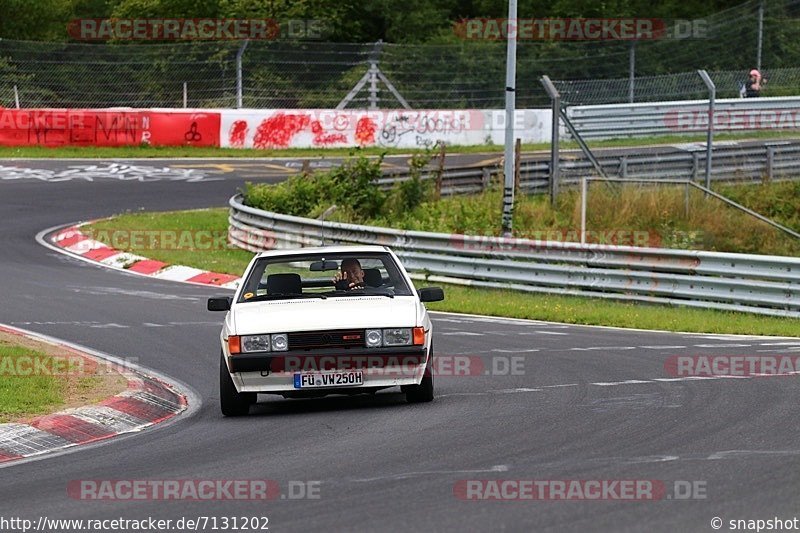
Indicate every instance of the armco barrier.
{"type": "Point", "coordinates": [741, 162]}
{"type": "Point", "coordinates": [734, 282]}
{"type": "Point", "coordinates": [108, 127]}
{"type": "Point", "coordinates": [658, 118]}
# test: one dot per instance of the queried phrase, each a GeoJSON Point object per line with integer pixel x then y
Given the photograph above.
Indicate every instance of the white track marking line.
{"type": "Point", "coordinates": [406, 475]}
{"type": "Point", "coordinates": [722, 345]}
{"type": "Point", "coordinates": [663, 347]}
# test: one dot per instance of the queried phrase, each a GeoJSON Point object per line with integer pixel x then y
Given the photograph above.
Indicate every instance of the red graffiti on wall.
{"type": "Point", "coordinates": [365, 131]}
{"type": "Point", "coordinates": [237, 133]}
{"type": "Point", "coordinates": [278, 131]}
{"type": "Point", "coordinates": [322, 138]}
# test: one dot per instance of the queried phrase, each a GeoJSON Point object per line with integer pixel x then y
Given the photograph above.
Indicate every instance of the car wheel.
{"type": "Point", "coordinates": [232, 402]}
{"type": "Point", "coordinates": [424, 391]}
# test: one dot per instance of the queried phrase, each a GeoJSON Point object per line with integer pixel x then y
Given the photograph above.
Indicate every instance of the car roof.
{"type": "Point", "coordinates": [357, 248]}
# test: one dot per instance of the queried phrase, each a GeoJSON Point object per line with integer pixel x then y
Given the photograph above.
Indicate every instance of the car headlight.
{"type": "Point", "coordinates": [397, 337]}
{"type": "Point", "coordinates": [280, 342]}
{"type": "Point", "coordinates": [374, 338]}
{"type": "Point", "coordinates": [255, 343]}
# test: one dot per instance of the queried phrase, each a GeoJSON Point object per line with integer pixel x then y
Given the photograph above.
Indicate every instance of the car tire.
{"type": "Point", "coordinates": [232, 402]}
{"type": "Point", "coordinates": [424, 391]}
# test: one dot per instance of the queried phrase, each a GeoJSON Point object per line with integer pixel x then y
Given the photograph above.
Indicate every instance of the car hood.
{"type": "Point", "coordinates": [334, 313]}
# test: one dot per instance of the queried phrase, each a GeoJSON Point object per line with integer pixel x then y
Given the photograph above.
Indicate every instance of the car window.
{"type": "Point", "coordinates": [308, 275]}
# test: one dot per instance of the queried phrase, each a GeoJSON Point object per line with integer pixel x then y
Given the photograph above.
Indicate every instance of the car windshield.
{"type": "Point", "coordinates": [334, 275]}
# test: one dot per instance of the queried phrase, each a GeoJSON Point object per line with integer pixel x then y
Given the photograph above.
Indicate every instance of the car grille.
{"type": "Point", "coordinates": [309, 340]}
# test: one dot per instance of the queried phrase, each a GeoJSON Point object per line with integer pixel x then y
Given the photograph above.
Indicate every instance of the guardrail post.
{"type": "Point", "coordinates": [440, 172]}
{"type": "Point", "coordinates": [712, 94]}
{"type": "Point", "coordinates": [686, 202]}
{"type": "Point", "coordinates": [695, 165]}
{"type": "Point", "coordinates": [770, 161]}
{"type": "Point", "coordinates": [623, 167]}
{"type": "Point", "coordinates": [486, 178]}
{"type": "Point", "coordinates": [584, 191]}
{"type": "Point", "coordinates": [555, 98]}
{"type": "Point", "coordinates": [517, 162]}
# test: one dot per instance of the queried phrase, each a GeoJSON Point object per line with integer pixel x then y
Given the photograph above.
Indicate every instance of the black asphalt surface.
{"type": "Point", "coordinates": [269, 168]}
{"type": "Point", "coordinates": [379, 463]}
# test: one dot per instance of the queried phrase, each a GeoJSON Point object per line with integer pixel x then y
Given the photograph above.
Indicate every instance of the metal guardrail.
{"type": "Point", "coordinates": [767, 285]}
{"type": "Point", "coordinates": [733, 162]}
{"type": "Point", "coordinates": [658, 118]}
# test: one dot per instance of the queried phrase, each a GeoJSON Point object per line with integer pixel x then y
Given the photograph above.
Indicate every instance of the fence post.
{"type": "Point", "coordinates": [373, 86]}
{"type": "Point", "coordinates": [185, 96]}
{"type": "Point", "coordinates": [239, 82]}
{"type": "Point", "coordinates": [760, 34]}
{"type": "Point", "coordinates": [712, 95]}
{"type": "Point", "coordinates": [632, 70]}
{"type": "Point", "coordinates": [16, 96]}
{"type": "Point", "coordinates": [511, 102]}
{"type": "Point", "coordinates": [555, 97]}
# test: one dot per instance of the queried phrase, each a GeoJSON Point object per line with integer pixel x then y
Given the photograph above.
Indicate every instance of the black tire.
{"type": "Point", "coordinates": [231, 402]}
{"type": "Point", "coordinates": [424, 391]}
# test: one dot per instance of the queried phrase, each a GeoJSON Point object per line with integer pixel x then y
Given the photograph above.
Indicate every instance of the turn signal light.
{"type": "Point", "coordinates": [419, 336]}
{"type": "Point", "coordinates": [234, 344]}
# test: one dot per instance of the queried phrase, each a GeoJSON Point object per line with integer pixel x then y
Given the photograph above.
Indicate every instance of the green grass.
{"type": "Point", "coordinates": [26, 395]}
{"type": "Point", "coordinates": [573, 310]}
{"type": "Point", "coordinates": [185, 225]}
{"type": "Point", "coordinates": [577, 310]}
{"type": "Point", "coordinates": [122, 152]}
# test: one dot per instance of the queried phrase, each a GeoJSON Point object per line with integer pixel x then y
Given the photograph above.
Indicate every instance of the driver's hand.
{"type": "Point", "coordinates": [341, 282]}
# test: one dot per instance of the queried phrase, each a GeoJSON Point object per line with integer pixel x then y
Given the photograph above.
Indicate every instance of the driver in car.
{"type": "Point", "coordinates": [350, 277]}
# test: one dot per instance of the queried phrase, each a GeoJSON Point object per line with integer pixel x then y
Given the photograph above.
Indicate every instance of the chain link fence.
{"type": "Point", "coordinates": [464, 74]}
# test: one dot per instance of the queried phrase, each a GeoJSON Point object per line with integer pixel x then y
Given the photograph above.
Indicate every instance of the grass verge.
{"type": "Point", "coordinates": [38, 378]}
{"type": "Point", "coordinates": [145, 151]}
{"type": "Point", "coordinates": [574, 310]}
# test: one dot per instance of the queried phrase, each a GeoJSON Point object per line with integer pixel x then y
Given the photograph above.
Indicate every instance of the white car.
{"type": "Point", "coordinates": [310, 322]}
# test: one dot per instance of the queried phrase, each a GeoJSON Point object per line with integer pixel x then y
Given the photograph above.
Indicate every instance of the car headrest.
{"type": "Point", "coordinates": [372, 277]}
{"type": "Point", "coordinates": [284, 283]}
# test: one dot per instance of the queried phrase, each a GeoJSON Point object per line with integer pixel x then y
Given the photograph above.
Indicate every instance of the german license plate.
{"type": "Point", "coordinates": [313, 380]}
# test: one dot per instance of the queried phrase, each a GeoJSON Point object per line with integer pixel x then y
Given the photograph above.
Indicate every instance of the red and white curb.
{"type": "Point", "coordinates": [77, 243]}
{"type": "Point", "coordinates": [147, 401]}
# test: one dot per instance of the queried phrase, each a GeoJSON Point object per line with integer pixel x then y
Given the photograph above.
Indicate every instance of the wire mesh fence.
{"type": "Point", "coordinates": [456, 74]}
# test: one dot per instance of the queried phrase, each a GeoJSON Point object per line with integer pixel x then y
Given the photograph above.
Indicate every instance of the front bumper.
{"type": "Point", "coordinates": [384, 367]}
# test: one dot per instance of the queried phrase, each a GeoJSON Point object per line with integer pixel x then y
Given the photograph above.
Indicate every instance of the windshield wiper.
{"type": "Point", "coordinates": [362, 292]}
{"type": "Point", "coordinates": [282, 296]}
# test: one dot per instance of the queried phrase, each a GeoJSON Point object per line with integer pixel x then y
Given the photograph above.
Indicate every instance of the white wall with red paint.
{"type": "Point", "coordinates": [323, 128]}
{"type": "Point", "coordinates": [267, 129]}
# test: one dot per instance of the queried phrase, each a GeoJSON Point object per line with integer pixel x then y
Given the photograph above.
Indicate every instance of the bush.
{"type": "Point", "coordinates": [352, 187]}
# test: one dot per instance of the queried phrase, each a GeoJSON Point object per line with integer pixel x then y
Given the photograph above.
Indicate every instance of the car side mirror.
{"type": "Point", "coordinates": [220, 303]}
{"type": "Point", "coordinates": [431, 294]}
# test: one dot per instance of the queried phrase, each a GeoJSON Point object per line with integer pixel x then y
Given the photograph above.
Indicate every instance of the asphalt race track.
{"type": "Point", "coordinates": [583, 404]}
